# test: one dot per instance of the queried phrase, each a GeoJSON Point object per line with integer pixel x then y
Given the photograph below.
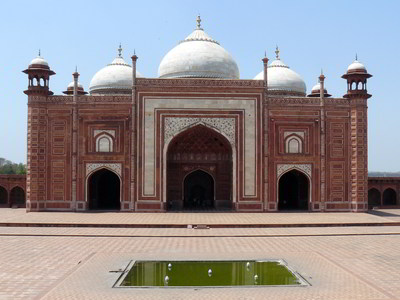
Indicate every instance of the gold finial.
{"type": "Point", "coordinates": [76, 69]}
{"type": "Point", "coordinates": [120, 50]}
{"type": "Point", "coordinates": [198, 20]}
{"type": "Point", "coordinates": [277, 52]}
{"type": "Point", "coordinates": [356, 57]}
{"type": "Point", "coordinates": [265, 53]}
{"type": "Point", "coordinates": [134, 51]}
{"type": "Point", "coordinates": [39, 52]}
{"type": "Point", "coordinates": [322, 72]}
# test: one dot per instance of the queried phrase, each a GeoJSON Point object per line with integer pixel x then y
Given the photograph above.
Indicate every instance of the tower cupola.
{"type": "Point", "coordinates": [356, 77]}
{"type": "Point", "coordinates": [39, 74]}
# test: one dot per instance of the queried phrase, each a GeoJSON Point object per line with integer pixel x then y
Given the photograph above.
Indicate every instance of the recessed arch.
{"type": "Point", "coordinates": [374, 198]}
{"type": "Point", "coordinates": [199, 148]}
{"type": "Point", "coordinates": [104, 190]}
{"type": "Point", "coordinates": [3, 195]}
{"type": "Point", "coordinates": [17, 196]}
{"type": "Point", "coordinates": [104, 142]}
{"type": "Point", "coordinates": [198, 190]}
{"type": "Point", "coordinates": [389, 197]}
{"type": "Point", "coordinates": [294, 190]}
{"type": "Point", "coordinates": [293, 144]}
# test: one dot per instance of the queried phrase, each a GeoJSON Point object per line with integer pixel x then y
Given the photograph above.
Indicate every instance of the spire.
{"type": "Point", "coordinates": [277, 52]}
{"type": "Point", "coordinates": [198, 20]}
{"type": "Point", "coordinates": [119, 50]}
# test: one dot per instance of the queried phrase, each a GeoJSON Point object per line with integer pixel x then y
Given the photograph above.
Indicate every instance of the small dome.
{"type": "Point", "coordinates": [115, 78]}
{"type": "Point", "coordinates": [71, 85]}
{"type": "Point", "coordinates": [315, 91]}
{"type": "Point", "coordinates": [281, 78]}
{"type": "Point", "coordinates": [70, 89]}
{"type": "Point", "coordinates": [356, 67]}
{"type": "Point", "coordinates": [316, 88]}
{"type": "Point", "coordinates": [198, 56]}
{"type": "Point", "coordinates": [39, 62]}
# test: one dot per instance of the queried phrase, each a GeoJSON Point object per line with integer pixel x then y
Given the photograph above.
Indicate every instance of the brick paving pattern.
{"type": "Point", "coordinates": [74, 263]}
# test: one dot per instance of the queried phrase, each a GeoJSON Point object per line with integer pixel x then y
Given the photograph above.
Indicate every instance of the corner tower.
{"type": "Point", "coordinates": [39, 74]}
{"type": "Point", "coordinates": [356, 77]}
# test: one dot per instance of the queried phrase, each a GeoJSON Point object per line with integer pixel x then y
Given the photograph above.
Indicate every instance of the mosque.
{"type": "Point", "coordinates": [197, 137]}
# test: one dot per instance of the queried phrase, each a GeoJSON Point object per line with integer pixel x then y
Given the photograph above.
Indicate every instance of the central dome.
{"type": "Point", "coordinates": [198, 56]}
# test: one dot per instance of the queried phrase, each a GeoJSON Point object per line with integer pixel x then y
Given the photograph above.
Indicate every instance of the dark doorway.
{"type": "Point", "coordinates": [104, 190]}
{"type": "Point", "coordinates": [374, 198]}
{"type": "Point", "coordinates": [198, 190]}
{"type": "Point", "coordinates": [3, 195]}
{"type": "Point", "coordinates": [293, 191]}
{"type": "Point", "coordinates": [17, 196]}
{"type": "Point", "coordinates": [389, 197]}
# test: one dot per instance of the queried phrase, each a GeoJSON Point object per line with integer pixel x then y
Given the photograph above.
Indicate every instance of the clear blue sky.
{"type": "Point", "coordinates": [311, 35]}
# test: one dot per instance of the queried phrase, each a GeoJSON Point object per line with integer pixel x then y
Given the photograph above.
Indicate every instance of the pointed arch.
{"type": "Point", "coordinates": [199, 147]}
{"type": "Point", "coordinates": [17, 196]}
{"type": "Point", "coordinates": [104, 188]}
{"type": "Point", "coordinates": [302, 186]}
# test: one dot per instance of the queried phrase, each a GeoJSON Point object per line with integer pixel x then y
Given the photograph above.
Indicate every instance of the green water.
{"type": "Point", "coordinates": [197, 273]}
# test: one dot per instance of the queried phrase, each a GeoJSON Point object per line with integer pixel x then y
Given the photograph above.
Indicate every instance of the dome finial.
{"type": "Point", "coordinates": [277, 52]}
{"type": "Point", "coordinates": [265, 53]}
{"type": "Point", "coordinates": [198, 20]}
{"type": "Point", "coordinates": [120, 50]}
{"type": "Point", "coordinates": [356, 57]}
{"type": "Point", "coordinates": [39, 52]}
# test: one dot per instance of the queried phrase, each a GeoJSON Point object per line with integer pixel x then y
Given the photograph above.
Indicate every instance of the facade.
{"type": "Point", "coordinates": [197, 137]}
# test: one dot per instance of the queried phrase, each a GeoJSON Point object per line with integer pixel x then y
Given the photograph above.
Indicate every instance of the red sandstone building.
{"type": "Point", "coordinates": [197, 137]}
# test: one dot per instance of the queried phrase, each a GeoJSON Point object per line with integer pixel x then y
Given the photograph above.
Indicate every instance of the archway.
{"type": "Point", "coordinates": [389, 197]}
{"type": "Point", "coordinates": [3, 195]}
{"type": "Point", "coordinates": [104, 190]}
{"type": "Point", "coordinates": [293, 191]}
{"type": "Point", "coordinates": [374, 198]}
{"type": "Point", "coordinates": [199, 154]}
{"type": "Point", "coordinates": [198, 190]}
{"type": "Point", "coordinates": [17, 196]}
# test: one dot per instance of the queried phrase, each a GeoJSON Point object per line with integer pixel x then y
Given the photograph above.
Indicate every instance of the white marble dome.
{"type": "Point", "coordinates": [198, 56]}
{"type": "Point", "coordinates": [71, 85]}
{"type": "Point", "coordinates": [39, 61]}
{"type": "Point", "coordinates": [356, 66]}
{"type": "Point", "coordinates": [114, 78]}
{"type": "Point", "coordinates": [282, 78]}
{"type": "Point", "coordinates": [316, 88]}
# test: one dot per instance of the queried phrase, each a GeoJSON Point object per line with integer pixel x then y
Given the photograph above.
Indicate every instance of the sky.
{"type": "Point", "coordinates": [311, 35]}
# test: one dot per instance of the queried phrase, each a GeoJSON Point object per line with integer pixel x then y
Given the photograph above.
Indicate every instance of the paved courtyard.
{"type": "Point", "coordinates": [339, 262]}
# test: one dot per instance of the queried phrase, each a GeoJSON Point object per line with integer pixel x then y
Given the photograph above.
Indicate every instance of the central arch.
{"type": "Point", "coordinates": [199, 157]}
{"type": "Point", "coordinates": [294, 189]}
{"type": "Point", "coordinates": [104, 190]}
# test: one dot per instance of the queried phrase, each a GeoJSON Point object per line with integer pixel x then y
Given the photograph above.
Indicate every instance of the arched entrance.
{"type": "Point", "coordinates": [374, 198]}
{"type": "Point", "coordinates": [199, 164]}
{"type": "Point", "coordinates": [293, 191]}
{"type": "Point", "coordinates": [198, 190]}
{"type": "Point", "coordinates": [3, 195]}
{"type": "Point", "coordinates": [17, 196]}
{"type": "Point", "coordinates": [389, 197]}
{"type": "Point", "coordinates": [104, 190]}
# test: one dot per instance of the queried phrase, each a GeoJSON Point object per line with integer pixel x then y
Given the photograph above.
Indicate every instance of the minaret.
{"type": "Point", "coordinates": [356, 77]}
{"type": "Point", "coordinates": [39, 74]}
{"type": "Point", "coordinates": [265, 127]}
{"type": "Point", "coordinates": [75, 139]}
{"type": "Point", "coordinates": [133, 134]}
